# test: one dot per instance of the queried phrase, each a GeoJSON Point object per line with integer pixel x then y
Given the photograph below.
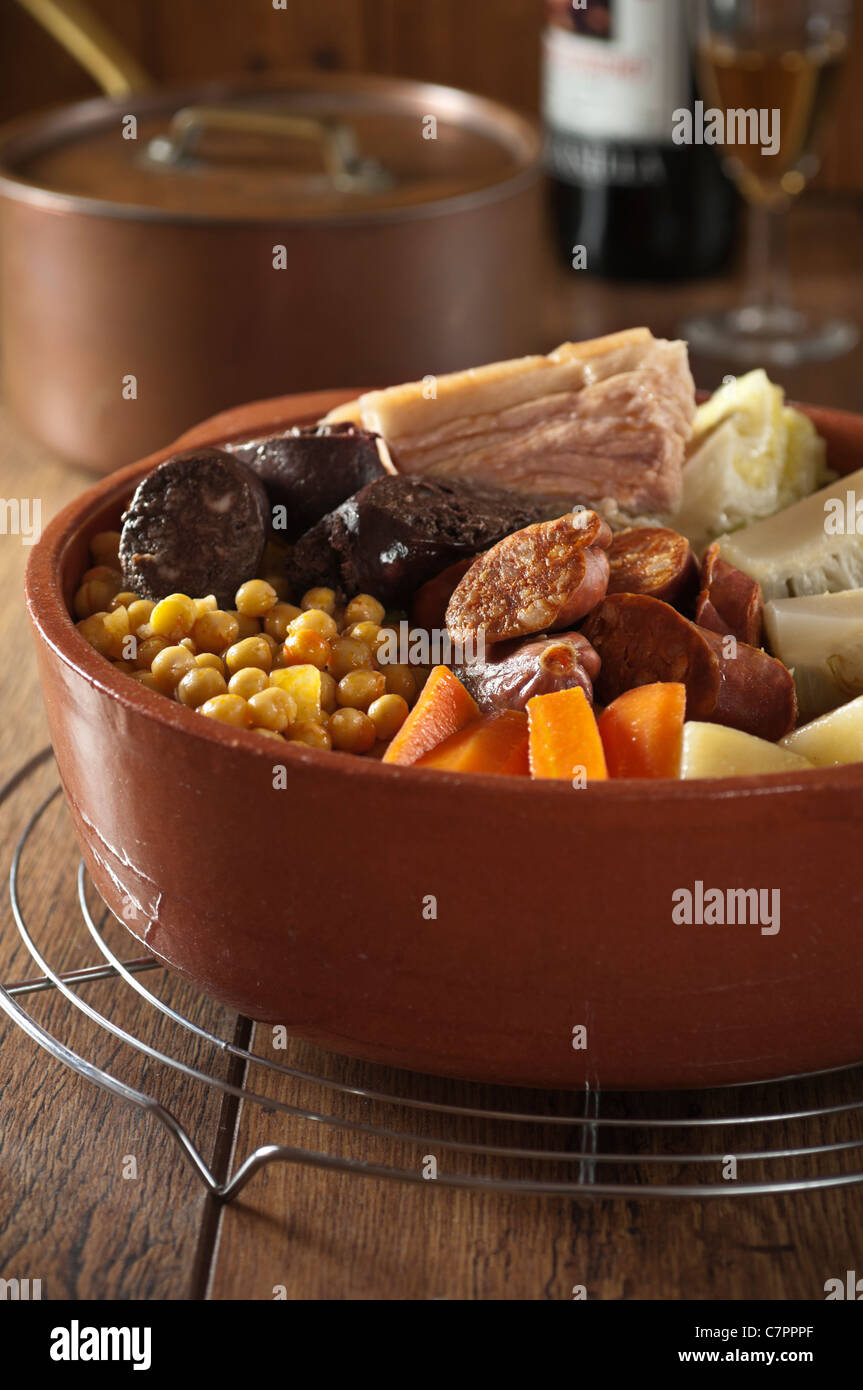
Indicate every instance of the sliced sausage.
{"type": "Point", "coordinates": [653, 560]}
{"type": "Point", "coordinates": [540, 579]}
{"type": "Point", "coordinates": [196, 525]}
{"type": "Point", "coordinates": [513, 672]}
{"type": "Point", "coordinates": [730, 601]}
{"type": "Point", "coordinates": [640, 640]}
{"type": "Point", "coordinates": [431, 599]}
{"type": "Point", "coordinates": [398, 532]}
{"type": "Point", "coordinates": [308, 472]}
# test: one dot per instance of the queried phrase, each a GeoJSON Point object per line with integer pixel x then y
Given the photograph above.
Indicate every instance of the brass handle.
{"type": "Point", "coordinates": [86, 39]}
{"type": "Point", "coordinates": [342, 160]}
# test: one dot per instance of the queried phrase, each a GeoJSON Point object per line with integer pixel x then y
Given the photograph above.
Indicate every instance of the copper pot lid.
{"type": "Point", "coordinates": [303, 147]}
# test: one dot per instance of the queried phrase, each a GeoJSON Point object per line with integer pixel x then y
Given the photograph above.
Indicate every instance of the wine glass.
{"type": "Point", "coordinates": [767, 70]}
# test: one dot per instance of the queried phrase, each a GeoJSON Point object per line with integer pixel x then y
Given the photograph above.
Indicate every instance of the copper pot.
{"type": "Point", "coordinates": [143, 281]}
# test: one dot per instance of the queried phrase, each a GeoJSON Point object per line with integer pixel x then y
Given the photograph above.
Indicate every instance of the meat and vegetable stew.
{"type": "Point", "coordinates": [558, 567]}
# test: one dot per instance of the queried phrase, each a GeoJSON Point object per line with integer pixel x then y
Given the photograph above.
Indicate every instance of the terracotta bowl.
{"type": "Point", "coordinates": [460, 925]}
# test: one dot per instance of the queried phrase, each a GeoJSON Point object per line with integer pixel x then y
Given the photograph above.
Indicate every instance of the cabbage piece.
{"type": "Point", "coordinates": [750, 455]}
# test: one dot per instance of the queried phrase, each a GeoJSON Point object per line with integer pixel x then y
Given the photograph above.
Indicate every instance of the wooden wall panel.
{"type": "Point", "coordinates": [488, 46]}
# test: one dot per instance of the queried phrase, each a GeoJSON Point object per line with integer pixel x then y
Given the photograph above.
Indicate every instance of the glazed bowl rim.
{"type": "Point", "coordinates": [56, 628]}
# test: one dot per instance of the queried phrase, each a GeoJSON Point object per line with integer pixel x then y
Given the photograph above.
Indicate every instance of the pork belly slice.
{"type": "Point", "coordinates": [607, 421]}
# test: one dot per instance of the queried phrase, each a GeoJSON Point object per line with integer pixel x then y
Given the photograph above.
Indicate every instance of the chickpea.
{"type": "Point", "coordinates": [189, 645]}
{"type": "Point", "coordinates": [215, 630]}
{"type": "Point", "coordinates": [364, 609]}
{"type": "Point", "coordinates": [174, 617]}
{"type": "Point", "coordinates": [105, 548]}
{"type": "Point", "coordinates": [311, 733]}
{"type": "Point", "coordinates": [324, 599]}
{"type": "Point", "coordinates": [349, 655]}
{"type": "Point", "coordinates": [358, 689]}
{"type": "Point", "coordinates": [305, 648]}
{"type": "Point", "coordinates": [366, 632]}
{"type": "Point", "coordinates": [148, 650]}
{"type": "Point", "coordinates": [139, 613]}
{"type": "Point", "coordinates": [170, 666]}
{"type": "Point", "coordinates": [271, 642]}
{"type": "Point", "coordinates": [148, 680]}
{"type": "Point", "coordinates": [388, 714]}
{"type": "Point", "coordinates": [316, 619]}
{"type": "Point", "coordinates": [352, 731]}
{"type": "Point", "coordinates": [199, 685]}
{"type": "Point", "coordinates": [117, 628]}
{"type": "Point", "coordinates": [94, 596]}
{"type": "Point", "coordinates": [248, 627]}
{"type": "Point", "coordinates": [206, 605]}
{"type": "Point", "coordinates": [249, 651]}
{"type": "Point", "coordinates": [273, 709]}
{"type": "Point", "coordinates": [123, 666]}
{"type": "Point", "coordinates": [255, 598]}
{"type": "Point", "coordinates": [228, 709]}
{"type": "Point", "coordinates": [280, 584]}
{"type": "Point", "coordinates": [110, 573]}
{"type": "Point", "coordinates": [329, 700]}
{"type": "Point", "coordinates": [101, 635]}
{"type": "Point", "coordinates": [248, 681]}
{"type": "Point", "coordinates": [277, 620]}
{"type": "Point", "coordinates": [124, 599]}
{"type": "Point", "coordinates": [400, 680]}
{"type": "Point", "coordinates": [269, 733]}
{"type": "Point", "coordinates": [209, 661]}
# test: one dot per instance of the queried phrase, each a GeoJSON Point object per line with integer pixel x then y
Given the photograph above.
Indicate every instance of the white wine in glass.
{"type": "Point", "coordinates": [778, 59]}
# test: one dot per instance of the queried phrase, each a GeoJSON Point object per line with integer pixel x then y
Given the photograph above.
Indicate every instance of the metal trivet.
{"type": "Point", "coordinates": [743, 1140]}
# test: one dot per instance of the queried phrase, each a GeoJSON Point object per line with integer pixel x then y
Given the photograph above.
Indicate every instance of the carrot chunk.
{"type": "Point", "coordinates": [496, 744]}
{"type": "Point", "coordinates": [564, 739]}
{"type": "Point", "coordinates": [444, 707]}
{"type": "Point", "coordinates": [642, 731]}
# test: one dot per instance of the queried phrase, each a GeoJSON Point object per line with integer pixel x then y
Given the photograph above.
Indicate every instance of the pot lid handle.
{"type": "Point", "coordinates": [347, 168]}
{"type": "Point", "coordinates": [86, 39]}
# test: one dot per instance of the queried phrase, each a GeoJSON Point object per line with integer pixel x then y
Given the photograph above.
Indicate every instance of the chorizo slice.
{"type": "Point", "coordinates": [513, 672]}
{"type": "Point", "coordinates": [730, 601]}
{"type": "Point", "coordinates": [653, 560]}
{"type": "Point", "coordinates": [640, 640]}
{"type": "Point", "coordinates": [540, 579]}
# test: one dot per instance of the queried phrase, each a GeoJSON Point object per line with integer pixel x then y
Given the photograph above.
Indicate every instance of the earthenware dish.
{"type": "Point", "coordinates": [461, 925]}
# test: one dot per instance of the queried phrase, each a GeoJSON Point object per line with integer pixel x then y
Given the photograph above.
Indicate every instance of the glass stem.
{"type": "Point", "coordinates": [768, 281]}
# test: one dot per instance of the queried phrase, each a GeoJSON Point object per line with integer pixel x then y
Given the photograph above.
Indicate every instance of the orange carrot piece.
{"type": "Point", "coordinates": [564, 739]}
{"type": "Point", "coordinates": [642, 731]}
{"type": "Point", "coordinates": [496, 744]}
{"type": "Point", "coordinates": [443, 707]}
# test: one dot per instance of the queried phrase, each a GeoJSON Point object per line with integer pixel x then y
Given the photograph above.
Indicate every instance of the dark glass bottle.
{"type": "Point", "coordinates": [640, 205]}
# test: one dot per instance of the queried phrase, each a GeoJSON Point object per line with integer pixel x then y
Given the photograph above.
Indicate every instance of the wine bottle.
{"type": "Point", "coordinates": [628, 202]}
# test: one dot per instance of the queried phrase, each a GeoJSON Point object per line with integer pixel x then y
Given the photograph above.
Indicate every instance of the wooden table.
{"type": "Point", "coordinates": [71, 1215]}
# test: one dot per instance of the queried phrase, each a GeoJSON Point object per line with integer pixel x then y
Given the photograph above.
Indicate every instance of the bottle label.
{"type": "Point", "coordinates": [615, 70]}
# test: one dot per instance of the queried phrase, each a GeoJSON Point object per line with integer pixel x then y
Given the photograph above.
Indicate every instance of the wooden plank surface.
{"type": "Point", "coordinates": [487, 46]}
{"type": "Point", "coordinates": [67, 1214]}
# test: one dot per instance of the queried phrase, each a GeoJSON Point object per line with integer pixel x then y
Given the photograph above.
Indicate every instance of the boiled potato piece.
{"type": "Point", "coordinates": [303, 683]}
{"type": "Point", "coordinates": [834, 738]}
{"type": "Point", "coordinates": [711, 750]}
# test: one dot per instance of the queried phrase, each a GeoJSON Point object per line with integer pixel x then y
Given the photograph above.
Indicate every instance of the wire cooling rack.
{"type": "Point", "coordinates": [791, 1135]}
